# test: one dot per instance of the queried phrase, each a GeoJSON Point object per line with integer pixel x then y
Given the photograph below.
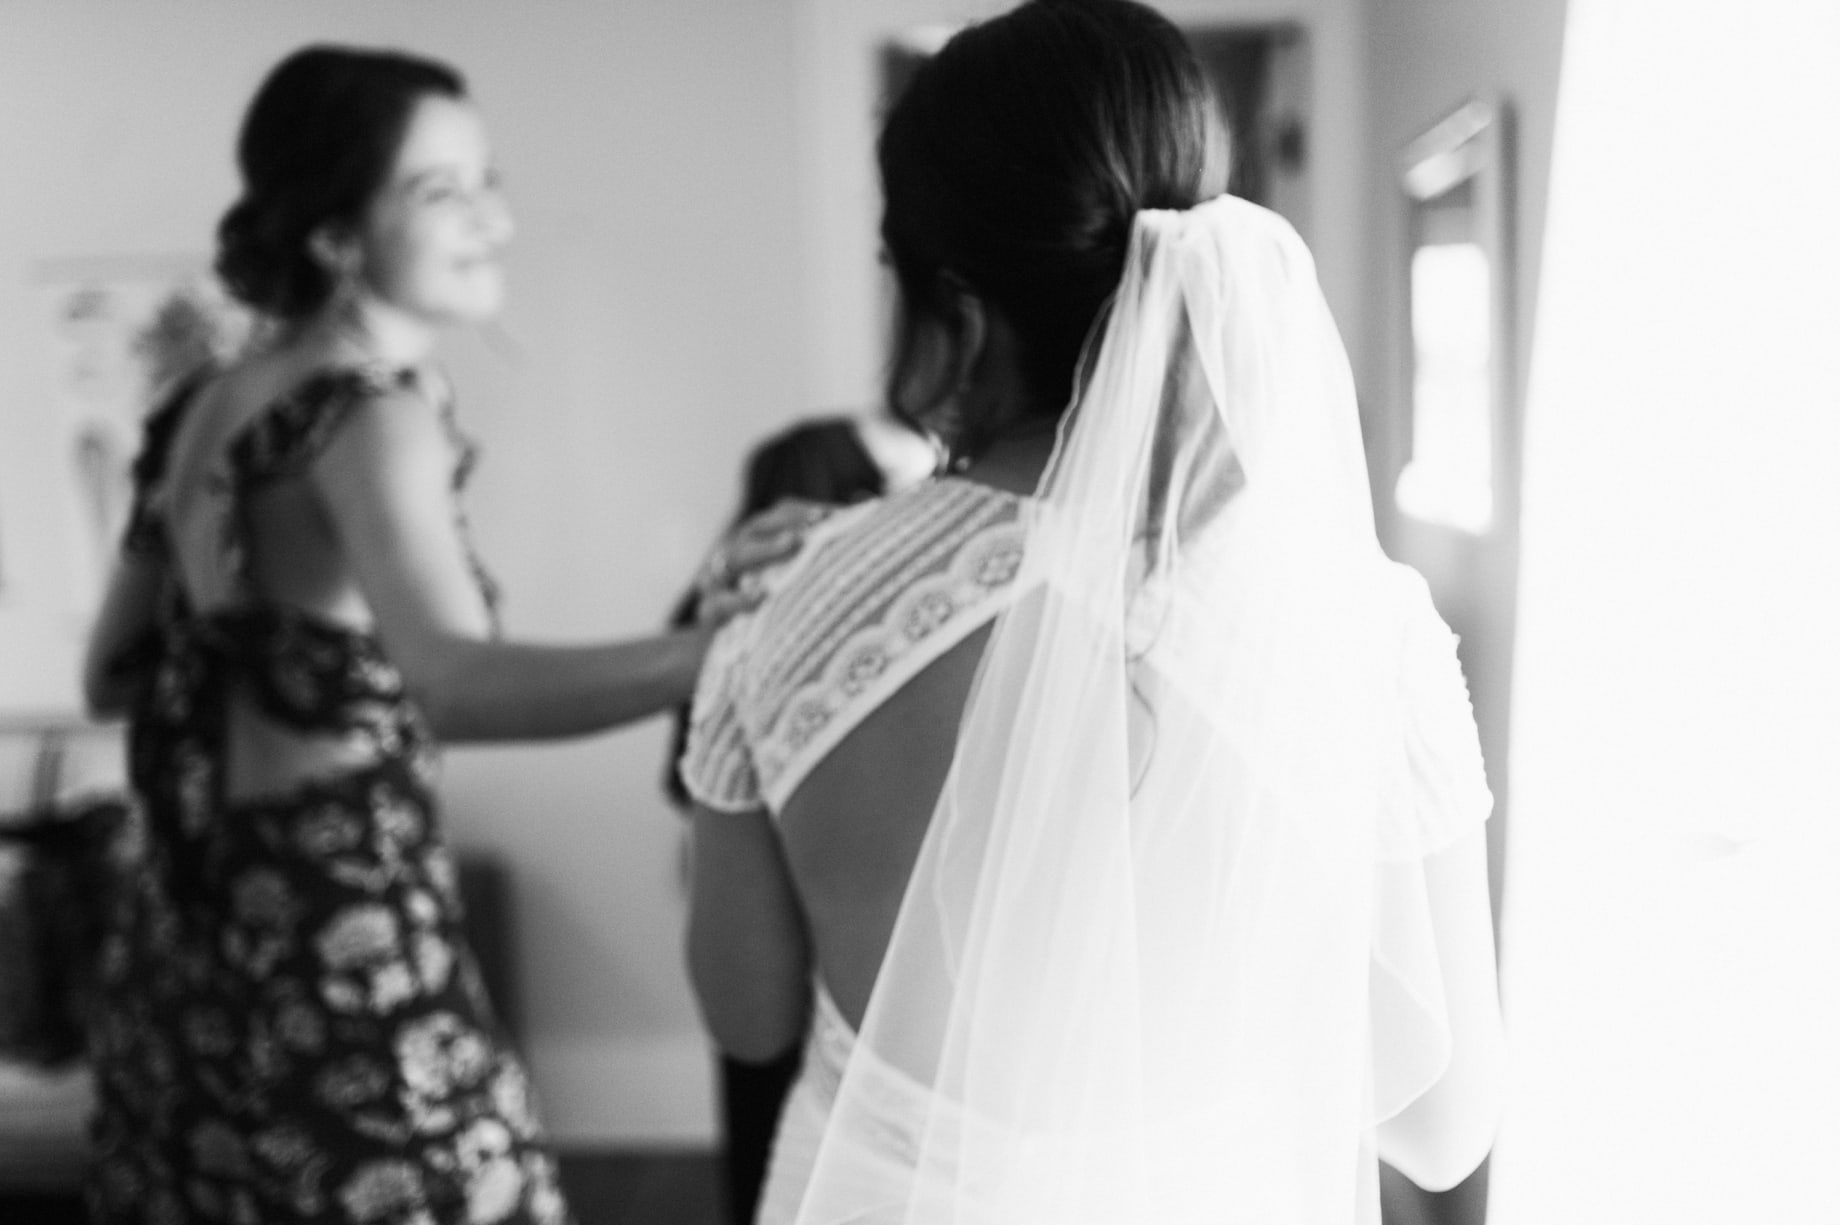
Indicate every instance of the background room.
{"type": "Point", "coordinates": [696, 267]}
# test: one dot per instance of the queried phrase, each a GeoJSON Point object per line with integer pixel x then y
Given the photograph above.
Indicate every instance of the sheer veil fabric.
{"type": "Point", "coordinates": [1168, 952]}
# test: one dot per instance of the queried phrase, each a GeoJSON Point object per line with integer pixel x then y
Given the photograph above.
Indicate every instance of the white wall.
{"type": "Point", "coordinates": [838, 95]}
{"type": "Point", "coordinates": [656, 312]}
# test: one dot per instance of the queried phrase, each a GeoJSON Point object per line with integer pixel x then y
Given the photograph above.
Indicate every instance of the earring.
{"type": "Point", "coordinates": [942, 451]}
{"type": "Point", "coordinates": [950, 438]}
{"type": "Point", "coordinates": [344, 306]}
{"type": "Point", "coordinates": [964, 439]}
{"type": "Point", "coordinates": [969, 436]}
{"type": "Point", "coordinates": [338, 263]}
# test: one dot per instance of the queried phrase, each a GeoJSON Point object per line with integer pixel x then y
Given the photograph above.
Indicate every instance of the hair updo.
{"type": "Point", "coordinates": [316, 145]}
{"type": "Point", "coordinates": [1018, 156]}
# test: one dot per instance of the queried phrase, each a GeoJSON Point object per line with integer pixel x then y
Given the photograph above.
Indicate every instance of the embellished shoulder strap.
{"type": "Point", "coordinates": [143, 535]}
{"type": "Point", "coordinates": [869, 604]}
{"type": "Point", "coordinates": [287, 436]}
{"type": "Point", "coordinates": [285, 439]}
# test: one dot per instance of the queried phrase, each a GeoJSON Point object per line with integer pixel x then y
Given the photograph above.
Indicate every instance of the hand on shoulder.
{"type": "Point", "coordinates": [729, 582]}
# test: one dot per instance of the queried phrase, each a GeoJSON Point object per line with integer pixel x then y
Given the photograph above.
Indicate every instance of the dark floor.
{"type": "Point", "coordinates": [661, 1187]}
{"type": "Point", "coordinates": [652, 1187]}
{"type": "Point", "coordinates": [684, 1187]}
{"type": "Point", "coordinates": [41, 1208]}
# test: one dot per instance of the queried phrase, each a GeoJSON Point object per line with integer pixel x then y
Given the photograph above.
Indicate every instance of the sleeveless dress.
{"type": "Point", "coordinates": [878, 592]}
{"type": "Point", "coordinates": [292, 1027]}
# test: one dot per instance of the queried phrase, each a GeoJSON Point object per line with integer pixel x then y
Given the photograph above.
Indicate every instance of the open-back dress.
{"type": "Point", "coordinates": [878, 593]}
{"type": "Point", "coordinates": [293, 1028]}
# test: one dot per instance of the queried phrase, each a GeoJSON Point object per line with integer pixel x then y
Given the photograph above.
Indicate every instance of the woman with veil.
{"type": "Point", "coordinates": [1106, 814]}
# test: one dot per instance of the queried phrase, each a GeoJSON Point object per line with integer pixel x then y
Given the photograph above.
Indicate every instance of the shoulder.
{"type": "Point", "coordinates": [889, 588]}
{"type": "Point", "coordinates": [900, 571]}
{"type": "Point", "coordinates": [937, 513]}
{"type": "Point", "coordinates": [857, 559]}
{"type": "Point", "coordinates": [353, 391]}
{"type": "Point", "coordinates": [943, 525]}
{"type": "Point", "coordinates": [356, 412]}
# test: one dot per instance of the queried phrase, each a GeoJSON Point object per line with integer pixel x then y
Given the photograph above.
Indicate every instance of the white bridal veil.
{"type": "Point", "coordinates": [1199, 925]}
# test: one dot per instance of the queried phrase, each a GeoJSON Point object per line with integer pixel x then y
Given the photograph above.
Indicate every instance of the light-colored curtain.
{"type": "Point", "coordinates": [1671, 937]}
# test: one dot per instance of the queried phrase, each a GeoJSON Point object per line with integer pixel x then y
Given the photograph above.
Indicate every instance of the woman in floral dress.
{"type": "Point", "coordinates": [292, 1026]}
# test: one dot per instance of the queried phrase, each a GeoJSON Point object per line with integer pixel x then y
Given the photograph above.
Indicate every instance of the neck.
{"type": "Point", "coordinates": [1015, 459]}
{"type": "Point", "coordinates": [368, 331]}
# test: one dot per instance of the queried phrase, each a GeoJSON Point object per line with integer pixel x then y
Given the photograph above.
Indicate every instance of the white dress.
{"type": "Point", "coordinates": [878, 593]}
{"type": "Point", "coordinates": [1199, 930]}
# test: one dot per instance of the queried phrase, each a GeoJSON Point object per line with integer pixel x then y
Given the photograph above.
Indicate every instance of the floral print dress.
{"type": "Point", "coordinates": [292, 1027]}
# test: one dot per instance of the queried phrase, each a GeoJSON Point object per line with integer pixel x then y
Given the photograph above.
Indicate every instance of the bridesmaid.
{"type": "Point", "coordinates": [293, 1027]}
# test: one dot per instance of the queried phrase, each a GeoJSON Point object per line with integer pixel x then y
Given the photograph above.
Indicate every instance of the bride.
{"type": "Point", "coordinates": [1106, 814]}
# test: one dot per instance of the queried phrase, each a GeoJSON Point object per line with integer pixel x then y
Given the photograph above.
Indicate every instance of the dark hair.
{"type": "Point", "coordinates": [821, 460]}
{"type": "Point", "coordinates": [316, 145]}
{"type": "Point", "coordinates": [1017, 157]}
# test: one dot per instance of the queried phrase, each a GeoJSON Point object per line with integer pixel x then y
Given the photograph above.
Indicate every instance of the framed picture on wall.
{"type": "Point", "coordinates": [120, 330]}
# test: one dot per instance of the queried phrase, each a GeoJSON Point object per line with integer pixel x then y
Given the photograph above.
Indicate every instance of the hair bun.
{"type": "Point", "coordinates": [249, 262]}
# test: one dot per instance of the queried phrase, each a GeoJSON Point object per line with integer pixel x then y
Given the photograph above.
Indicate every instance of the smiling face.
{"type": "Point", "coordinates": [431, 239]}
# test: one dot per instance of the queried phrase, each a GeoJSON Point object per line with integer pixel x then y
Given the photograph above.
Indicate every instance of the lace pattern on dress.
{"type": "Point", "coordinates": [871, 601]}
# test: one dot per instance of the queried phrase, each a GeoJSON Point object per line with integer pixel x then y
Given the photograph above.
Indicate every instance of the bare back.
{"type": "Point", "coordinates": [854, 827]}
{"type": "Point", "coordinates": [292, 555]}
{"type": "Point", "coordinates": [836, 707]}
{"type": "Point", "coordinates": [242, 507]}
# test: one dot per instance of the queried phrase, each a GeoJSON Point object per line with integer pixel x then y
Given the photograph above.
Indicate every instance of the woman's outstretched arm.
{"type": "Point", "coordinates": [384, 480]}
